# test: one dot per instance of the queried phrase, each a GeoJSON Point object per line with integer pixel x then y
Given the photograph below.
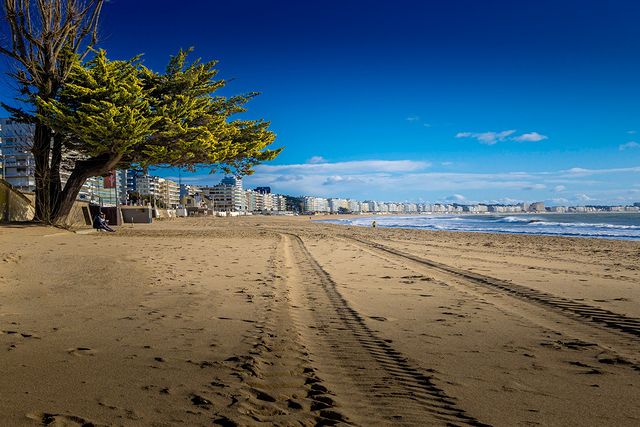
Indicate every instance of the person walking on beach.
{"type": "Point", "coordinates": [101, 224]}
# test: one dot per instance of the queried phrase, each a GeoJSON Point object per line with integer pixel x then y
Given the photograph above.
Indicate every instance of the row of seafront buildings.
{"type": "Point", "coordinates": [227, 196]}
{"type": "Point", "coordinates": [336, 205]}
{"type": "Point", "coordinates": [230, 196]}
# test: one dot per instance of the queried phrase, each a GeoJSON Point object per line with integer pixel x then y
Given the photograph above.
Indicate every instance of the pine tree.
{"type": "Point", "coordinates": [119, 114]}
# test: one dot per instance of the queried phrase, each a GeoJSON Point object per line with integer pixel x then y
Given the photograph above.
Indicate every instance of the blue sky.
{"type": "Point", "coordinates": [456, 100]}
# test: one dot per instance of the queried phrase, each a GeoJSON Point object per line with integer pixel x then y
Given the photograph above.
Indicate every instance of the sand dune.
{"type": "Point", "coordinates": [260, 321]}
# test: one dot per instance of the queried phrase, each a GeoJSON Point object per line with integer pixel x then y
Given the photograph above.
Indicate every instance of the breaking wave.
{"type": "Point", "coordinates": [612, 226]}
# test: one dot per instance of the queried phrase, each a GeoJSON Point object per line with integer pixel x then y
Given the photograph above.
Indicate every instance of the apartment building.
{"type": "Point", "coordinates": [228, 196]}
{"type": "Point", "coordinates": [159, 189]}
{"type": "Point", "coordinates": [315, 204]}
{"type": "Point", "coordinates": [335, 205]}
{"type": "Point", "coordinates": [264, 201]}
{"type": "Point", "coordinates": [536, 207]}
{"type": "Point", "coordinates": [18, 164]}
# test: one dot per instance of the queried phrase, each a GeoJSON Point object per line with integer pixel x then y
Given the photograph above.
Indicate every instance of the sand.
{"type": "Point", "coordinates": [267, 320]}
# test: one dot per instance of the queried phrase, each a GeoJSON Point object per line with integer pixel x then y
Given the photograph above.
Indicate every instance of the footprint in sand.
{"type": "Point", "coordinates": [81, 351]}
{"type": "Point", "coordinates": [264, 396]}
{"type": "Point", "coordinates": [199, 400]}
{"type": "Point", "coordinates": [60, 420]}
{"type": "Point", "coordinates": [225, 422]}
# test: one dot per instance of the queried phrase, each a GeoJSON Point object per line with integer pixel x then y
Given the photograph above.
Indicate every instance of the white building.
{"type": "Point", "coordinates": [159, 189]}
{"type": "Point", "coordinates": [558, 209]}
{"type": "Point", "coordinates": [265, 202]}
{"type": "Point", "coordinates": [148, 185]}
{"type": "Point", "coordinates": [18, 164]}
{"type": "Point", "coordinates": [477, 208]}
{"type": "Point", "coordinates": [252, 200]}
{"type": "Point", "coordinates": [279, 203]}
{"type": "Point", "coordinates": [335, 205]}
{"type": "Point", "coordinates": [169, 193]}
{"type": "Point", "coordinates": [316, 204]}
{"type": "Point", "coordinates": [392, 207]}
{"type": "Point", "coordinates": [536, 207]}
{"type": "Point", "coordinates": [354, 206]}
{"type": "Point", "coordinates": [228, 196]}
{"type": "Point", "coordinates": [410, 207]}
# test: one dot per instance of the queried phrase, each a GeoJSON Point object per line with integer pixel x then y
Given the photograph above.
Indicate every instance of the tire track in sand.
{"type": "Point", "coordinates": [504, 262]}
{"type": "Point", "coordinates": [278, 384]}
{"type": "Point", "coordinates": [374, 383]}
{"type": "Point", "coordinates": [574, 309]}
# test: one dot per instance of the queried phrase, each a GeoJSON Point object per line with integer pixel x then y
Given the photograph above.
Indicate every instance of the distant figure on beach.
{"type": "Point", "coordinates": [373, 224]}
{"type": "Point", "coordinates": [101, 224]}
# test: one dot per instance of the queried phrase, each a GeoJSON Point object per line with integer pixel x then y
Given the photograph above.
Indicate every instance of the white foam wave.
{"type": "Point", "coordinates": [525, 224]}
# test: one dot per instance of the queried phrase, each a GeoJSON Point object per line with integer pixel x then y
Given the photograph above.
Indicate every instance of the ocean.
{"type": "Point", "coordinates": [601, 225]}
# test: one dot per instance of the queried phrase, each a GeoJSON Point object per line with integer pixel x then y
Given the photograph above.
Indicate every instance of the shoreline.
{"type": "Point", "coordinates": [597, 230]}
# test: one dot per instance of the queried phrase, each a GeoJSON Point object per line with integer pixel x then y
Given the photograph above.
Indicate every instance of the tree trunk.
{"type": "Point", "coordinates": [55, 183]}
{"type": "Point", "coordinates": [41, 150]}
{"type": "Point", "coordinates": [68, 196]}
{"type": "Point", "coordinates": [83, 169]}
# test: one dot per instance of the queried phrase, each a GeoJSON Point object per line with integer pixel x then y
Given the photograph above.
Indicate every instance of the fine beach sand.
{"type": "Point", "coordinates": [267, 320]}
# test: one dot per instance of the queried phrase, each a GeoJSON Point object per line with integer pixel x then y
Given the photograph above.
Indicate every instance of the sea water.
{"type": "Point", "coordinates": [603, 225]}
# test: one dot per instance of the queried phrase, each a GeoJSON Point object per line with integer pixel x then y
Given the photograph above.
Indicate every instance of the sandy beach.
{"type": "Point", "coordinates": [286, 321]}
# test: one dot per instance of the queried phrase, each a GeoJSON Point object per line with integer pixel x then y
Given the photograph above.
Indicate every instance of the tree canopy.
{"type": "Point", "coordinates": [124, 111]}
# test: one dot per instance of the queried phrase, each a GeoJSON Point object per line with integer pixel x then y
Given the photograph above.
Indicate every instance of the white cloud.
{"type": "Point", "coordinates": [627, 145]}
{"type": "Point", "coordinates": [457, 197]}
{"type": "Point", "coordinates": [353, 167]}
{"type": "Point", "coordinates": [535, 187]}
{"type": "Point", "coordinates": [576, 171]}
{"type": "Point", "coordinates": [505, 201]}
{"type": "Point", "coordinates": [491, 138]}
{"type": "Point", "coordinates": [446, 163]}
{"type": "Point", "coordinates": [583, 198]}
{"type": "Point", "coordinates": [580, 172]}
{"type": "Point", "coordinates": [559, 201]}
{"type": "Point", "coordinates": [337, 179]}
{"type": "Point", "coordinates": [289, 178]}
{"type": "Point", "coordinates": [488, 138]}
{"type": "Point", "coordinates": [416, 119]}
{"type": "Point", "coordinates": [631, 132]}
{"type": "Point", "coordinates": [559, 188]}
{"type": "Point", "coordinates": [317, 159]}
{"type": "Point", "coordinates": [530, 137]}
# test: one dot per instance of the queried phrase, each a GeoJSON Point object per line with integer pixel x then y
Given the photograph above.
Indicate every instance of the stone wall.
{"type": "Point", "coordinates": [14, 206]}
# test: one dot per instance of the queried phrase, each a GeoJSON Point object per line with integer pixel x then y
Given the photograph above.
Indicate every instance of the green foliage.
{"type": "Point", "coordinates": [102, 108]}
{"type": "Point", "coordinates": [123, 110]}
